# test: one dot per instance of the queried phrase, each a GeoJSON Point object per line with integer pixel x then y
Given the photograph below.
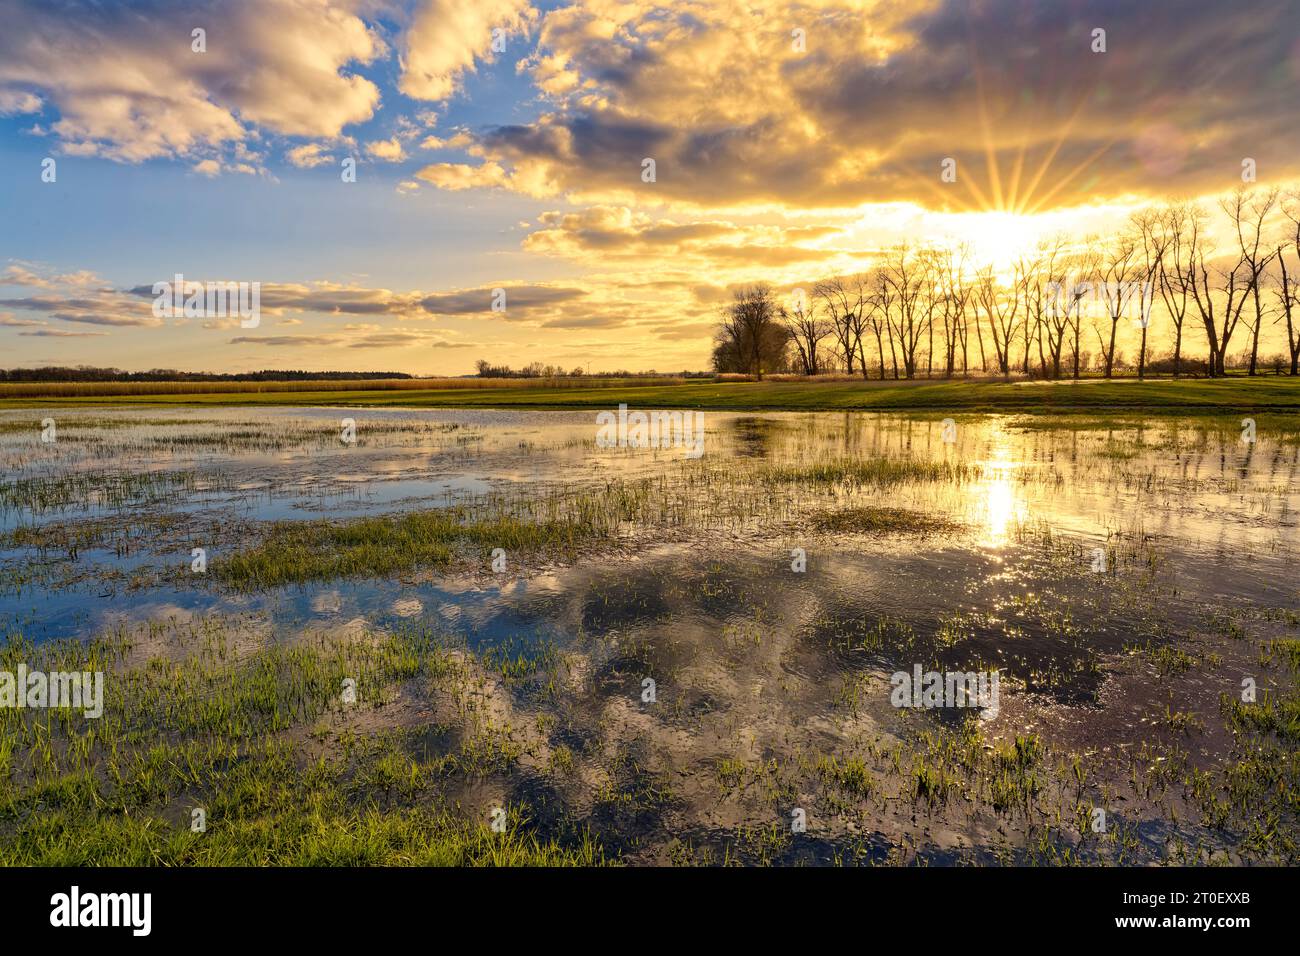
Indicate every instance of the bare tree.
{"type": "Point", "coordinates": [909, 275]}
{"type": "Point", "coordinates": [1227, 282]}
{"type": "Point", "coordinates": [807, 328]}
{"type": "Point", "coordinates": [1002, 308]}
{"type": "Point", "coordinates": [955, 294]}
{"type": "Point", "coordinates": [1086, 264]}
{"type": "Point", "coordinates": [1248, 211]}
{"type": "Point", "coordinates": [1192, 276]}
{"type": "Point", "coordinates": [749, 330]}
{"type": "Point", "coordinates": [1172, 280]}
{"type": "Point", "coordinates": [1044, 326]}
{"type": "Point", "coordinates": [880, 296]}
{"type": "Point", "coordinates": [1120, 265]}
{"type": "Point", "coordinates": [1152, 230]}
{"type": "Point", "coordinates": [1058, 300]}
{"type": "Point", "coordinates": [866, 318]}
{"type": "Point", "coordinates": [842, 303]}
{"type": "Point", "coordinates": [1288, 292]}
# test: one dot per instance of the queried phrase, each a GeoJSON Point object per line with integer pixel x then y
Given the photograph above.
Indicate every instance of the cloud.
{"type": "Point", "coordinates": [735, 116]}
{"type": "Point", "coordinates": [8, 320]}
{"type": "Point", "coordinates": [285, 340]}
{"type": "Point", "coordinates": [586, 322]}
{"type": "Point", "coordinates": [447, 38]}
{"type": "Point", "coordinates": [18, 102]}
{"type": "Point", "coordinates": [386, 340]}
{"type": "Point", "coordinates": [80, 297]}
{"type": "Point", "coordinates": [104, 309]}
{"type": "Point", "coordinates": [599, 232]}
{"type": "Point", "coordinates": [386, 150]}
{"type": "Point", "coordinates": [460, 176]}
{"type": "Point", "coordinates": [687, 331]}
{"type": "Point", "coordinates": [40, 277]}
{"type": "Point", "coordinates": [519, 300]}
{"type": "Point", "coordinates": [461, 139]}
{"type": "Point", "coordinates": [308, 156]}
{"type": "Point", "coordinates": [359, 318]}
{"type": "Point", "coordinates": [127, 84]}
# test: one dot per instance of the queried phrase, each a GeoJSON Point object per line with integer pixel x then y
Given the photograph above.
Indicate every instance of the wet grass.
{"type": "Point", "coordinates": [103, 489]}
{"type": "Point", "coordinates": [299, 551]}
{"type": "Point", "coordinates": [772, 694]}
{"type": "Point", "coordinates": [230, 732]}
{"type": "Point", "coordinates": [881, 521]}
{"type": "Point", "coordinates": [258, 735]}
{"type": "Point", "coordinates": [870, 472]}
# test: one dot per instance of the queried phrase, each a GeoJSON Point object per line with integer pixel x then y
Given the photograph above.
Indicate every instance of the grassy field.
{"type": "Point", "coordinates": [263, 744]}
{"type": "Point", "coordinates": [1276, 394]}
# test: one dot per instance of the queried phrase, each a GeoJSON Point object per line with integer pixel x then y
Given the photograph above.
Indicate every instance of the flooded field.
{"type": "Point", "coordinates": [351, 635]}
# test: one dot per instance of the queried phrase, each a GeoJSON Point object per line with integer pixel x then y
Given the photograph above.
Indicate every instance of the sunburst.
{"type": "Point", "coordinates": [997, 195]}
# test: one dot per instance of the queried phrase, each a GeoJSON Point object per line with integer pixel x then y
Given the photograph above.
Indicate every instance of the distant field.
{"type": "Point", "coordinates": [42, 390]}
{"type": "Point", "coordinates": [1275, 394]}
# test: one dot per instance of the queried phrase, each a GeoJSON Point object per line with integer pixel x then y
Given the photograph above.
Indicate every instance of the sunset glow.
{"type": "Point", "coordinates": [790, 143]}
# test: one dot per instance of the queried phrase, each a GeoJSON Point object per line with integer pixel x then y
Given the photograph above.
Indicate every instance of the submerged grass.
{"type": "Point", "coordinates": [880, 521]}
{"type": "Point", "coordinates": [223, 731]}
{"type": "Point", "coordinates": [872, 472]}
{"type": "Point", "coordinates": [295, 552]}
{"type": "Point", "coordinates": [104, 489]}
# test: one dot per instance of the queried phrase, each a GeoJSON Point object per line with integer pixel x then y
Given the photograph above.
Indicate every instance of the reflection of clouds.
{"type": "Point", "coordinates": [327, 602]}
{"type": "Point", "coordinates": [407, 607]}
{"type": "Point", "coordinates": [354, 629]}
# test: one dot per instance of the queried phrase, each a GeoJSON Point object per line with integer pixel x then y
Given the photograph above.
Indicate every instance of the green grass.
{"type": "Point", "coordinates": [870, 472]}
{"type": "Point", "coordinates": [225, 732]}
{"type": "Point", "coordinates": [294, 551]}
{"type": "Point", "coordinates": [1221, 396]}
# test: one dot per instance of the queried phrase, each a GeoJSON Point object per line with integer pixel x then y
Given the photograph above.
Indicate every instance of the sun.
{"type": "Point", "coordinates": [997, 239]}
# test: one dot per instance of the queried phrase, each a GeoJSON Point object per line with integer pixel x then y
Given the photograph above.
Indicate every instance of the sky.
{"type": "Point", "coordinates": [502, 145]}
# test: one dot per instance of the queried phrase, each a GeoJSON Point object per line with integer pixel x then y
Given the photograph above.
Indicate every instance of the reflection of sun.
{"type": "Point", "coordinates": [1002, 505]}
{"type": "Point", "coordinates": [1000, 509]}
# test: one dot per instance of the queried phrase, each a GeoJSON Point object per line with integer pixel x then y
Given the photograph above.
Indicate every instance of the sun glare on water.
{"type": "Point", "coordinates": [1003, 506]}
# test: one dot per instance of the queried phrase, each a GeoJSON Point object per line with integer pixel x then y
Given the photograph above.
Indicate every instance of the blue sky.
{"type": "Point", "coordinates": [136, 223]}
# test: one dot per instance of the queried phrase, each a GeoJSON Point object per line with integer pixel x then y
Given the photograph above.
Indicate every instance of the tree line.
{"type": "Point", "coordinates": [90, 373]}
{"type": "Point", "coordinates": [1056, 312]}
{"type": "Point", "coordinates": [486, 369]}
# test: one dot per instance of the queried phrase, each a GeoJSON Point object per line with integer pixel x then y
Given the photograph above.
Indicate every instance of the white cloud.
{"type": "Point", "coordinates": [447, 38]}
{"type": "Point", "coordinates": [18, 102]}
{"type": "Point", "coordinates": [308, 156]}
{"type": "Point", "coordinates": [129, 87]}
{"type": "Point", "coordinates": [386, 150]}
